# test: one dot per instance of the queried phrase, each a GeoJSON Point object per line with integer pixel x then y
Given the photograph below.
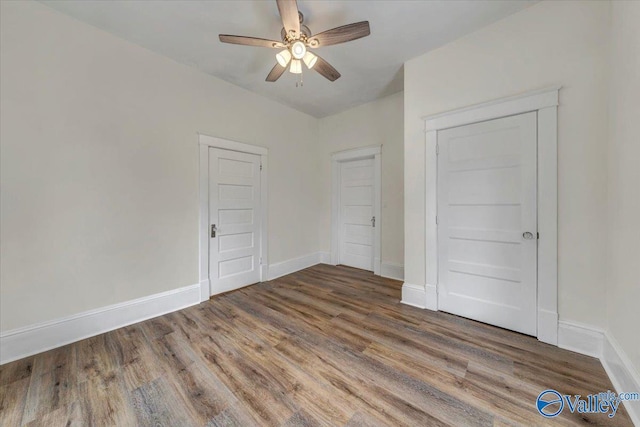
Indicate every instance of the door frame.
{"type": "Point", "coordinates": [545, 103]}
{"type": "Point", "coordinates": [370, 152]}
{"type": "Point", "coordinates": [205, 142]}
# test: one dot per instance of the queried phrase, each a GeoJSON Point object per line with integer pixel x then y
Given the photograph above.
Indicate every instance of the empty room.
{"type": "Point", "coordinates": [334, 213]}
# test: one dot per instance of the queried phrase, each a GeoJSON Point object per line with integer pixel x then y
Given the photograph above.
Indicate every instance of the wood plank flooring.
{"type": "Point", "coordinates": [323, 346]}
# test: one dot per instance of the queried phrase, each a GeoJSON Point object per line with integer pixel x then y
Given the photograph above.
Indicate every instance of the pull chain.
{"type": "Point", "coordinates": [301, 82]}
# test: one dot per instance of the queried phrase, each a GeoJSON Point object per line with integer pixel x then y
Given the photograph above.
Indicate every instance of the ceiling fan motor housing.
{"type": "Point", "coordinates": [305, 33]}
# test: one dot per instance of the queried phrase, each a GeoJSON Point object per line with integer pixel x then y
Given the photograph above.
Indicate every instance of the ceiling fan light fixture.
{"type": "Point", "coordinates": [310, 59]}
{"type": "Point", "coordinates": [298, 50]}
{"type": "Point", "coordinates": [283, 57]}
{"type": "Point", "coordinates": [296, 67]}
{"type": "Point", "coordinates": [296, 41]}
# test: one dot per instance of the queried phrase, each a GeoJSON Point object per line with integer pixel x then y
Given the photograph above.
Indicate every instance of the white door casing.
{"type": "Point", "coordinates": [357, 216]}
{"type": "Point", "coordinates": [545, 102]}
{"type": "Point", "coordinates": [232, 149]}
{"type": "Point", "coordinates": [487, 225]}
{"type": "Point", "coordinates": [362, 169]}
{"type": "Point", "coordinates": [234, 215]}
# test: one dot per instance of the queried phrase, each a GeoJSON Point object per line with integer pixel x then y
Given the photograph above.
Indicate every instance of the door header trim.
{"type": "Point", "coordinates": [356, 153]}
{"type": "Point", "coordinates": [212, 141]}
{"type": "Point", "coordinates": [509, 106]}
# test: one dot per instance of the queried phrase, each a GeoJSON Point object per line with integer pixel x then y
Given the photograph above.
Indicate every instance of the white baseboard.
{"type": "Point", "coordinates": [413, 295]}
{"type": "Point", "coordinates": [22, 342]}
{"type": "Point", "coordinates": [583, 339]}
{"type": "Point", "coordinates": [591, 341]}
{"type": "Point", "coordinates": [325, 257]}
{"type": "Point", "coordinates": [622, 373]}
{"type": "Point", "coordinates": [296, 264]}
{"type": "Point", "coordinates": [392, 271]}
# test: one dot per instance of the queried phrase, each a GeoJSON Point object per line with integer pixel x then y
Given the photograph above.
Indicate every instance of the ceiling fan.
{"type": "Point", "coordinates": [297, 41]}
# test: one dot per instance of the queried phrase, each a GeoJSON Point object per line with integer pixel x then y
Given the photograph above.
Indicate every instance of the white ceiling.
{"type": "Point", "coordinates": [187, 31]}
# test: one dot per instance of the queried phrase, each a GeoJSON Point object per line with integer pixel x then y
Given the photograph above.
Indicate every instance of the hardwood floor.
{"type": "Point", "coordinates": [324, 346]}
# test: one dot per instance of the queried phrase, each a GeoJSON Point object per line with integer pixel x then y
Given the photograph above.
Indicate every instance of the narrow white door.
{"type": "Point", "coordinates": [357, 213]}
{"type": "Point", "coordinates": [487, 222]}
{"type": "Point", "coordinates": [234, 218]}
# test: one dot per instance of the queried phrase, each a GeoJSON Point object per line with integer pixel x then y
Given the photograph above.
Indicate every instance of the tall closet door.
{"type": "Point", "coordinates": [234, 217]}
{"type": "Point", "coordinates": [357, 213]}
{"type": "Point", "coordinates": [487, 222]}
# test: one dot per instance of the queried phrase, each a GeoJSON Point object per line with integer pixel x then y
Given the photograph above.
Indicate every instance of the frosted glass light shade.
{"type": "Point", "coordinates": [283, 57]}
{"type": "Point", "coordinates": [310, 59]}
{"type": "Point", "coordinates": [296, 67]}
{"type": "Point", "coordinates": [298, 49]}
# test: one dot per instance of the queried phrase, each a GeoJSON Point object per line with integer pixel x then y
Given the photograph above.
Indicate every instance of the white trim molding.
{"type": "Point", "coordinates": [583, 339]}
{"type": "Point", "coordinates": [325, 258]}
{"type": "Point", "coordinates": [431, 294]}
{"type": "Point", "coordinates": [392, 271]}
{"type": "Point", "coordinates": [356, 153]}
{"type": "Point", "coordinates": [623, 375]}
{"type": "Point", "coordinates": [413, 295]}
{"type": "Point", "coordinates": [591, 341]}
{"type": "Point", "coordinates": [227, 144]}
{"type": "Point", "coordinates": [545, 103]}
{"type": "Point", "coordinates": [205, 142]}
{"type": "Point", "coordinates": [289, 266]}
{"type": "Point", "coordinates": [18, 343]}
{"type": "Point", "coordinates": [373, 152]}
{"type": "Point", "coordinates": [421, 296]}
{"type": "Point", "coordinates": [518, 104]}
{"type": "Point", "coordinates": [547, 326]}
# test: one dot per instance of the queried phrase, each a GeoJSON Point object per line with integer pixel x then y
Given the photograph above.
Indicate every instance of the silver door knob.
{"type": "Point", "coordinates": [527, 235]}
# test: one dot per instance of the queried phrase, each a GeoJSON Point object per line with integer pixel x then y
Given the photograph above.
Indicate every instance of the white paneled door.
{"type": "Point", "coordinates": [357, 213]}
{"type": "Point", "coordinates": [487, 222]}
{"type": "Point", "coordinates": [234, 218]}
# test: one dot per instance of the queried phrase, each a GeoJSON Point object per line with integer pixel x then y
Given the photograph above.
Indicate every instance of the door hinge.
{"type": "Point", "coordinates": [538, 235]}
{"type": "Point", "coordinates": [437, 149]}
{"type": "Point", "coordinates": [260, 260]}
{"type": "Point", "coordinates": [436, 219]}
{"type": "Point", "coordinates": [260, 166]}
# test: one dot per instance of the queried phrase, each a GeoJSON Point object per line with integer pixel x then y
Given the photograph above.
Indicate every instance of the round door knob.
{"type": "Point", "coordinates": [527, 235]}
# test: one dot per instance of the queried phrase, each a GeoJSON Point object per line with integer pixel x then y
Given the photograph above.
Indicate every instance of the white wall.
{"type": "Point", "coordinates": [376, 123]}
{"type": "Point", "coordinates": [547, 44]}
{"type": "Point", "coordinates": [99, 167]}
{"type": "Point", "coordinates": [623, 279]}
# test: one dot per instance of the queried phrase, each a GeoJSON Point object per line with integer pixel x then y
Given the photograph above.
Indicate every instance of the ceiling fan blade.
{"type": "Point", "coordinates": [326, 69]}
{"type": "Point", "coordinates": [289, 12]}
{"type": "Point", "coordinates": [275, 73]}
{"type": "Point", "coordinates": [251, 41]}
{"type": "Point", "coordinates": [342, 34]}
